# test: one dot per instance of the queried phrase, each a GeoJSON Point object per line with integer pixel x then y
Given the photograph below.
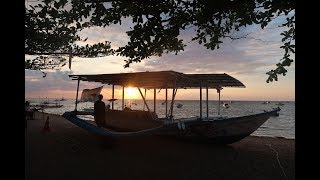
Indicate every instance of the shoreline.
{"type": "Point", "coordinates": [68, 151]}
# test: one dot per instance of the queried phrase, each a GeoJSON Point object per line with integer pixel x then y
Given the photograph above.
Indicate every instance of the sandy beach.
{"type": "Point", "coordinates": [69, 152]}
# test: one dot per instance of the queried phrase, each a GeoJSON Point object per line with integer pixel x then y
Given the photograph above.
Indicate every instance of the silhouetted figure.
{"type": "Point", "coordinates": [28, 111]}
{"type": "Point", "coordinates": [26, 107]}
{"type": "Point", "coordinates": [99, 111]}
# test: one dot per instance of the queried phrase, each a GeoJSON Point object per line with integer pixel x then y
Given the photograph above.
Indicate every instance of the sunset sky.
{"type": "Point", "coordinates": [247, 60]}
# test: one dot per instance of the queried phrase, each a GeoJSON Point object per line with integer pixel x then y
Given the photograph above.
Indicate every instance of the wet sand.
{"type": "Point", "coordinates": [69, 152]}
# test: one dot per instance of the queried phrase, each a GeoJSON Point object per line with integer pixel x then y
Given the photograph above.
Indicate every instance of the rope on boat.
{"type": "Point", "coordinates": [277, 154]}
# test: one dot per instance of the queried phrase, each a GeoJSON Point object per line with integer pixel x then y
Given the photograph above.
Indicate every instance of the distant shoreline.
{"type": "Point", "coordinates": [185, 100]}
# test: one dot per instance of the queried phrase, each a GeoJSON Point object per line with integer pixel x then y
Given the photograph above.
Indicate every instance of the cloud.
{"type": "Point", "coordinates": [116, 34]}
{"type": "Point", "coordinates": [53, 81]}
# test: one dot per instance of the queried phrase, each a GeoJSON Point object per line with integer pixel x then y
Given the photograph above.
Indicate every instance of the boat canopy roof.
{"type": "Point", "coordinates": [162, 80]}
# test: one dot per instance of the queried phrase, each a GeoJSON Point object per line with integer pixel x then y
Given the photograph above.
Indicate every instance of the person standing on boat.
{"type": "Point", "coordinates": [99, 111]}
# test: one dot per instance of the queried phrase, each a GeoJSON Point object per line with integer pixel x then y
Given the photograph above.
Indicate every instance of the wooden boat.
{"type": "Point", "coordinates": [47, 105]}
{"type": "Point", "coordinates": [132, 123]}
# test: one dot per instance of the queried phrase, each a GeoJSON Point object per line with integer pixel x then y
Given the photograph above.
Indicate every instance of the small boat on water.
{"type": "Point", "coordinates": [133, 123]}
{"type": "Point", "coordinates": [62, 99]}
{"type": "Point", "coordinates": [46, 105]}
{"type": "Point", "coordinates": [179, 105]}
{"type": "Point", "coordinates": [226, 105]}
{"type": "Point", "coordinates": [86, 109]}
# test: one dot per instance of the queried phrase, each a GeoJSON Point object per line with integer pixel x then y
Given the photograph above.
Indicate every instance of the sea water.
{"type": "Point", "coordinates": [276, 126]}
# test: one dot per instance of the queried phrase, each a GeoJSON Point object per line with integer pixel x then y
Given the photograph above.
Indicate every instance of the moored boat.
{"type": "Point", "coordinates": [131, 123]}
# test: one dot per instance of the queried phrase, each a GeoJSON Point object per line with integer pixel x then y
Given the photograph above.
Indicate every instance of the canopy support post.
{"type": "Point", "coordinates": [166, 102]}
{"type": "Point", "coordinates": [219, 105]}
{"type": "Point", "coordinates": [174, 92]}
{"type": "Point", "coordinates": [112, 103]}
{"type": "Point", "coordinates": [122, 97]}
{"type": "Point", "coordinates": [200, 100]}
{"type": "Point", "coordinates": [154, 99]}
{"type": "Point", "coordinates": [145, 96]}
{"type": "Point", "coordinates": [207, 98]}
{"type": "Point", "coordinates": [172, 100]}
{"type": "Point", "coordinates": [219, 100]}
{"type": "Point", "coordinates": [75, 109]}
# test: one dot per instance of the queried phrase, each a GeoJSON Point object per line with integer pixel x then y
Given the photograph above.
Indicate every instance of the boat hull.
{"type": "Point", "coordinates": [222, 131]}
{"type": "Point", "coordinates": [226, 131]}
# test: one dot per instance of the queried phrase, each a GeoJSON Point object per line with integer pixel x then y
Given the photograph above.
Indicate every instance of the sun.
{"type": "Point", "coordinates": [131, 93]}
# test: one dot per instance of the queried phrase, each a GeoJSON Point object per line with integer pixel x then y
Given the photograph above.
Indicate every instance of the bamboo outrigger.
{"type": "Point", "coordinates": [124, 124]}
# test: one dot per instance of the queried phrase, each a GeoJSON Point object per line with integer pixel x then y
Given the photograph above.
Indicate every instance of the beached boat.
{"type": "Point", "coordinates": [131, 123]}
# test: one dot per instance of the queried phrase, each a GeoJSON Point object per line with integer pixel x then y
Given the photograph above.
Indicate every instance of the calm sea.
{"type": "Point", "coordinates": [278, 126]}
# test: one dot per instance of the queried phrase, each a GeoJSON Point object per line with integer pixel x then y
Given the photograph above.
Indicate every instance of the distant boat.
{"type": "Point", "coordinates": [226, 105]}
{"type": "Point", "coordinates": [51, 105]}
{"type": "Point", "coordinates": [47, 105]}
{"type": "Point", "coordinates": [90, 109]}
{"type": "Point", "coordinates": [164, 102]}
{"type": "Point", "coordinates": [275, 114]}
{"type": "Point", "coordinates": [46, 102]}
{"type": "Point", "coordinates": [266, 102]}
{"type": "Point", "coordinates": [62, 99]}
